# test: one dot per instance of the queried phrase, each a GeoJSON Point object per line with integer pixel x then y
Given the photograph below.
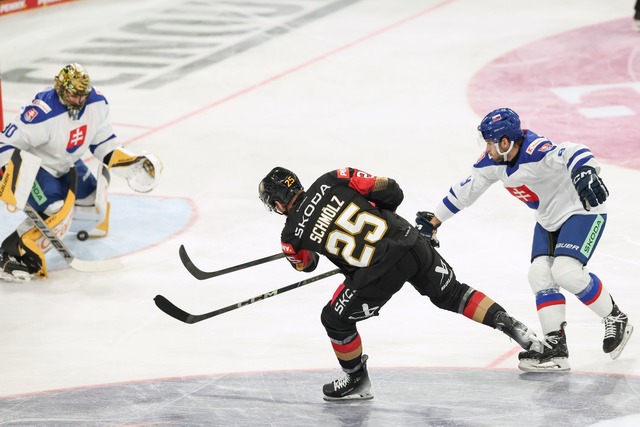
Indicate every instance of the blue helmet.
{"type": "Point", "coordinates": [501, 122]}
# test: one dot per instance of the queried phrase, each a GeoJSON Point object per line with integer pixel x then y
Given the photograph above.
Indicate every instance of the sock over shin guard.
{"type": "Point", "coordinates": [478, 307]}
{"type": "Point", "coordinates": [348, 352]}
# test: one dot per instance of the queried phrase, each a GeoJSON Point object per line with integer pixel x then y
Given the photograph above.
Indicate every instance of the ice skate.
{"type": "Point", "coordinates": [617, 331]}
{"type": "Point", "coordinates": [518, 331]}
{"type": "Point", "coordinates": [12, 270]}
{"type": "Point", "coordinates": [554, 358]}
{"type": "Point", "coordinates": [356, 386]}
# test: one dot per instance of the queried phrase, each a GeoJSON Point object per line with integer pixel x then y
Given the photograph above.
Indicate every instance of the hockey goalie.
{"type": "Point", "coordinates": [41, 154]}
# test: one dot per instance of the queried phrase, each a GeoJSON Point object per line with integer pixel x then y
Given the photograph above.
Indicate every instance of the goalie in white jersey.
{"type": "Point", "coordinates": [561, 183]}
{"type": "Point", "coordinates": [60, 127]}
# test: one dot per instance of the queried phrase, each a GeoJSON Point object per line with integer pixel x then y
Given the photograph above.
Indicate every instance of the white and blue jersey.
{"type": "Point", "coordinates": [45, 129]}
{"type": "Point", "coordinates": [540, 177]}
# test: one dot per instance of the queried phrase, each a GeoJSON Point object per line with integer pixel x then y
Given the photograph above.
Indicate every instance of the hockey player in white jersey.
{"type": "Point", "coordinates": [561, 183]}
{"type": "Point", "coordinates": [62, 126]}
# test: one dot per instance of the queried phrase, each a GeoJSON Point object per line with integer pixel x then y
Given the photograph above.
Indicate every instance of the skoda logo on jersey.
{"type": "Point", "coordinates": [76, 138]}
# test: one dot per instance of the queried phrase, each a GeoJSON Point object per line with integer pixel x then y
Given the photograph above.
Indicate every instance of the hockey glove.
{"type": "Point", "coordinates": [145, 173]}
{"type": "Point", "coordinates": [426, 229]}
{"type": "Point", "coordinates": [591, 190]}
{"type": "Point", "coordinates": [142, 172]}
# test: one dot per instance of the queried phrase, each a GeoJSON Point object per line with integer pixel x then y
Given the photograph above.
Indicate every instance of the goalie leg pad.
{"type": "Point", "coordinates": [91, 213]}
{"type": "Point", "coordinates": [33, 244]}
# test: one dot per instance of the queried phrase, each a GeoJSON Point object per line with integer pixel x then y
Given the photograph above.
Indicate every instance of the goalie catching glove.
{"type": "Point", "coordinates": [141, 172]}
{"type": "Point", "coordinates": [591, 190]}
{"type": "Point", "coordinates": [426, 228]}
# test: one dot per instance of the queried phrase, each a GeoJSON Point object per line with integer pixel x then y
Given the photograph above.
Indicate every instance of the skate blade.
{"type": "Point", "coordinates": [19, 277]}
{"type": "Point", "coordinates": [627, 334]}
{"type": "Point", "coordinates": [350, 397]}
{"type": "Point", "coordinates": [557, 364]}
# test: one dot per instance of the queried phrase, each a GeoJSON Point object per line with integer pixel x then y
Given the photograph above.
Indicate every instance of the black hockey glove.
{"type": "Point", "coordinates": [426, 229]}
{"type": "Point", "coordinates": [591, 190]}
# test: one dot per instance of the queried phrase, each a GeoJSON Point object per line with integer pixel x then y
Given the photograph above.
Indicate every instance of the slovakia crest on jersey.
{"type": "Point", "coordinates": [30, 114]}
{"type": "Point", "coordinates": [76, 138]}
{"type": "Point", "coordinates": [525, 194]}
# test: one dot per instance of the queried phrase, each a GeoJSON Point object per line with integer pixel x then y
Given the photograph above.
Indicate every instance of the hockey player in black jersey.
{"type": "Point", "coordinates": [349, 216]}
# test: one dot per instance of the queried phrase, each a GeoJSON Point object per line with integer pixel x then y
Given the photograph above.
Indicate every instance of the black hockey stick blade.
{"type": "Point", "coordinates": [177, 313]}
{"type": "Point", "coordinates": [168, 307]}
{"type": "Point", "coordinates": [203, 275]}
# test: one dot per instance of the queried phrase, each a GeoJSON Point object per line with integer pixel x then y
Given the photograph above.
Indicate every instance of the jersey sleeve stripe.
{"type": "Point", "coordinates": [450, 205]}
{"type": "Point", "coordinates": [582, 162]}
{"type": "Point", "coordinates": [576, 155]}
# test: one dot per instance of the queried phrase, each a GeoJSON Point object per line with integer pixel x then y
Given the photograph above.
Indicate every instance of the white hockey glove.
{"type": "Point", "coordinates": [145, 173]}
{"type": "Point", "coordinates": [142, 172]}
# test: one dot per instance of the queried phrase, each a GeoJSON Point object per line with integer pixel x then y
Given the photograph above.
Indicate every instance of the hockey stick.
{"type": "Point", "coordinates": [86, 266]}
{"type": "Point", "coordinates": [169, 308]}
{"type": "Point", "coordinates": [202, 275]}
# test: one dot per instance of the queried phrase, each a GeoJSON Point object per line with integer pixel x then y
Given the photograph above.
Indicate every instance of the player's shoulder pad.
{"type": "Point", "coordinates": [44, 106]}
{"type": "Point", "coordinates": [536, 147]}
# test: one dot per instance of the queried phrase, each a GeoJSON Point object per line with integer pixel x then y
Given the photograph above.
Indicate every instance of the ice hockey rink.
{"type": "Point", "coordinates": [223, 91]}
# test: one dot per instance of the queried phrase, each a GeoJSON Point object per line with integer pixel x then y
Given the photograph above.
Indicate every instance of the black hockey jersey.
{"type": "Point", "coordinates": [348, 216]}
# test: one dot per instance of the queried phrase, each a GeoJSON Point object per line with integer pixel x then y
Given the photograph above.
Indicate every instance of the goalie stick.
{"type": "Point", "coordinates": [202, 275]}
{"type": "Point", "coordinates": [86, 266]}
{"type": "Point", "coordinates": [169, 308]}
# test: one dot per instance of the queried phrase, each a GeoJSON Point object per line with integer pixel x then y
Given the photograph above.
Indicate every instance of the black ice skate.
{"type": "Point", "coordinates": [617, 331]}
{"type": "Point", "coordinates": [356, 386]}
{"type": "Point", "coordinates": [518, 331]}
{"type": "Point", "coordinates": [12, 270]}
{"type": "Point", "coordinates": [554, 358]}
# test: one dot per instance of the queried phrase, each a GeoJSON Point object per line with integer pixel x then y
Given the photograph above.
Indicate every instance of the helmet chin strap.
{"type": "Point", "coordinates": [506, 153]}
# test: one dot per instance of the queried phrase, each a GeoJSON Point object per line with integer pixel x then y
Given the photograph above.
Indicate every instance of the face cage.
{"type": "Point", "coordinates": [266, 197]}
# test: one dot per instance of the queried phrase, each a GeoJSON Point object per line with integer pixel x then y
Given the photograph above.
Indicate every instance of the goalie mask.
{"type": "Point", "coordinates": [73, 86]}
{"type": "Point", "coordinates": [280, 185]}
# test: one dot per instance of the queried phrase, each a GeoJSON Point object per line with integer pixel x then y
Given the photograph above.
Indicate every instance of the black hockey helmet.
{"type": "Point", "coordinates": [279, 185]}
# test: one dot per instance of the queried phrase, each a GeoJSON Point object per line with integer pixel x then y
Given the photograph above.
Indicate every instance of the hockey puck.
{"type": "Point", "coordinates": [82, 235]}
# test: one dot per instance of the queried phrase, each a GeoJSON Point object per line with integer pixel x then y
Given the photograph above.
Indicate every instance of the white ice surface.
{"type": "Point", "coordinates": [379, 85]}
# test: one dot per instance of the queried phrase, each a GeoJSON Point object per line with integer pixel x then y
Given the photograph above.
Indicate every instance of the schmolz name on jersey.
{"type": "Point", "coordinates": [327, 214]}
{"type": "Point", "coordinates": [328, 211]}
